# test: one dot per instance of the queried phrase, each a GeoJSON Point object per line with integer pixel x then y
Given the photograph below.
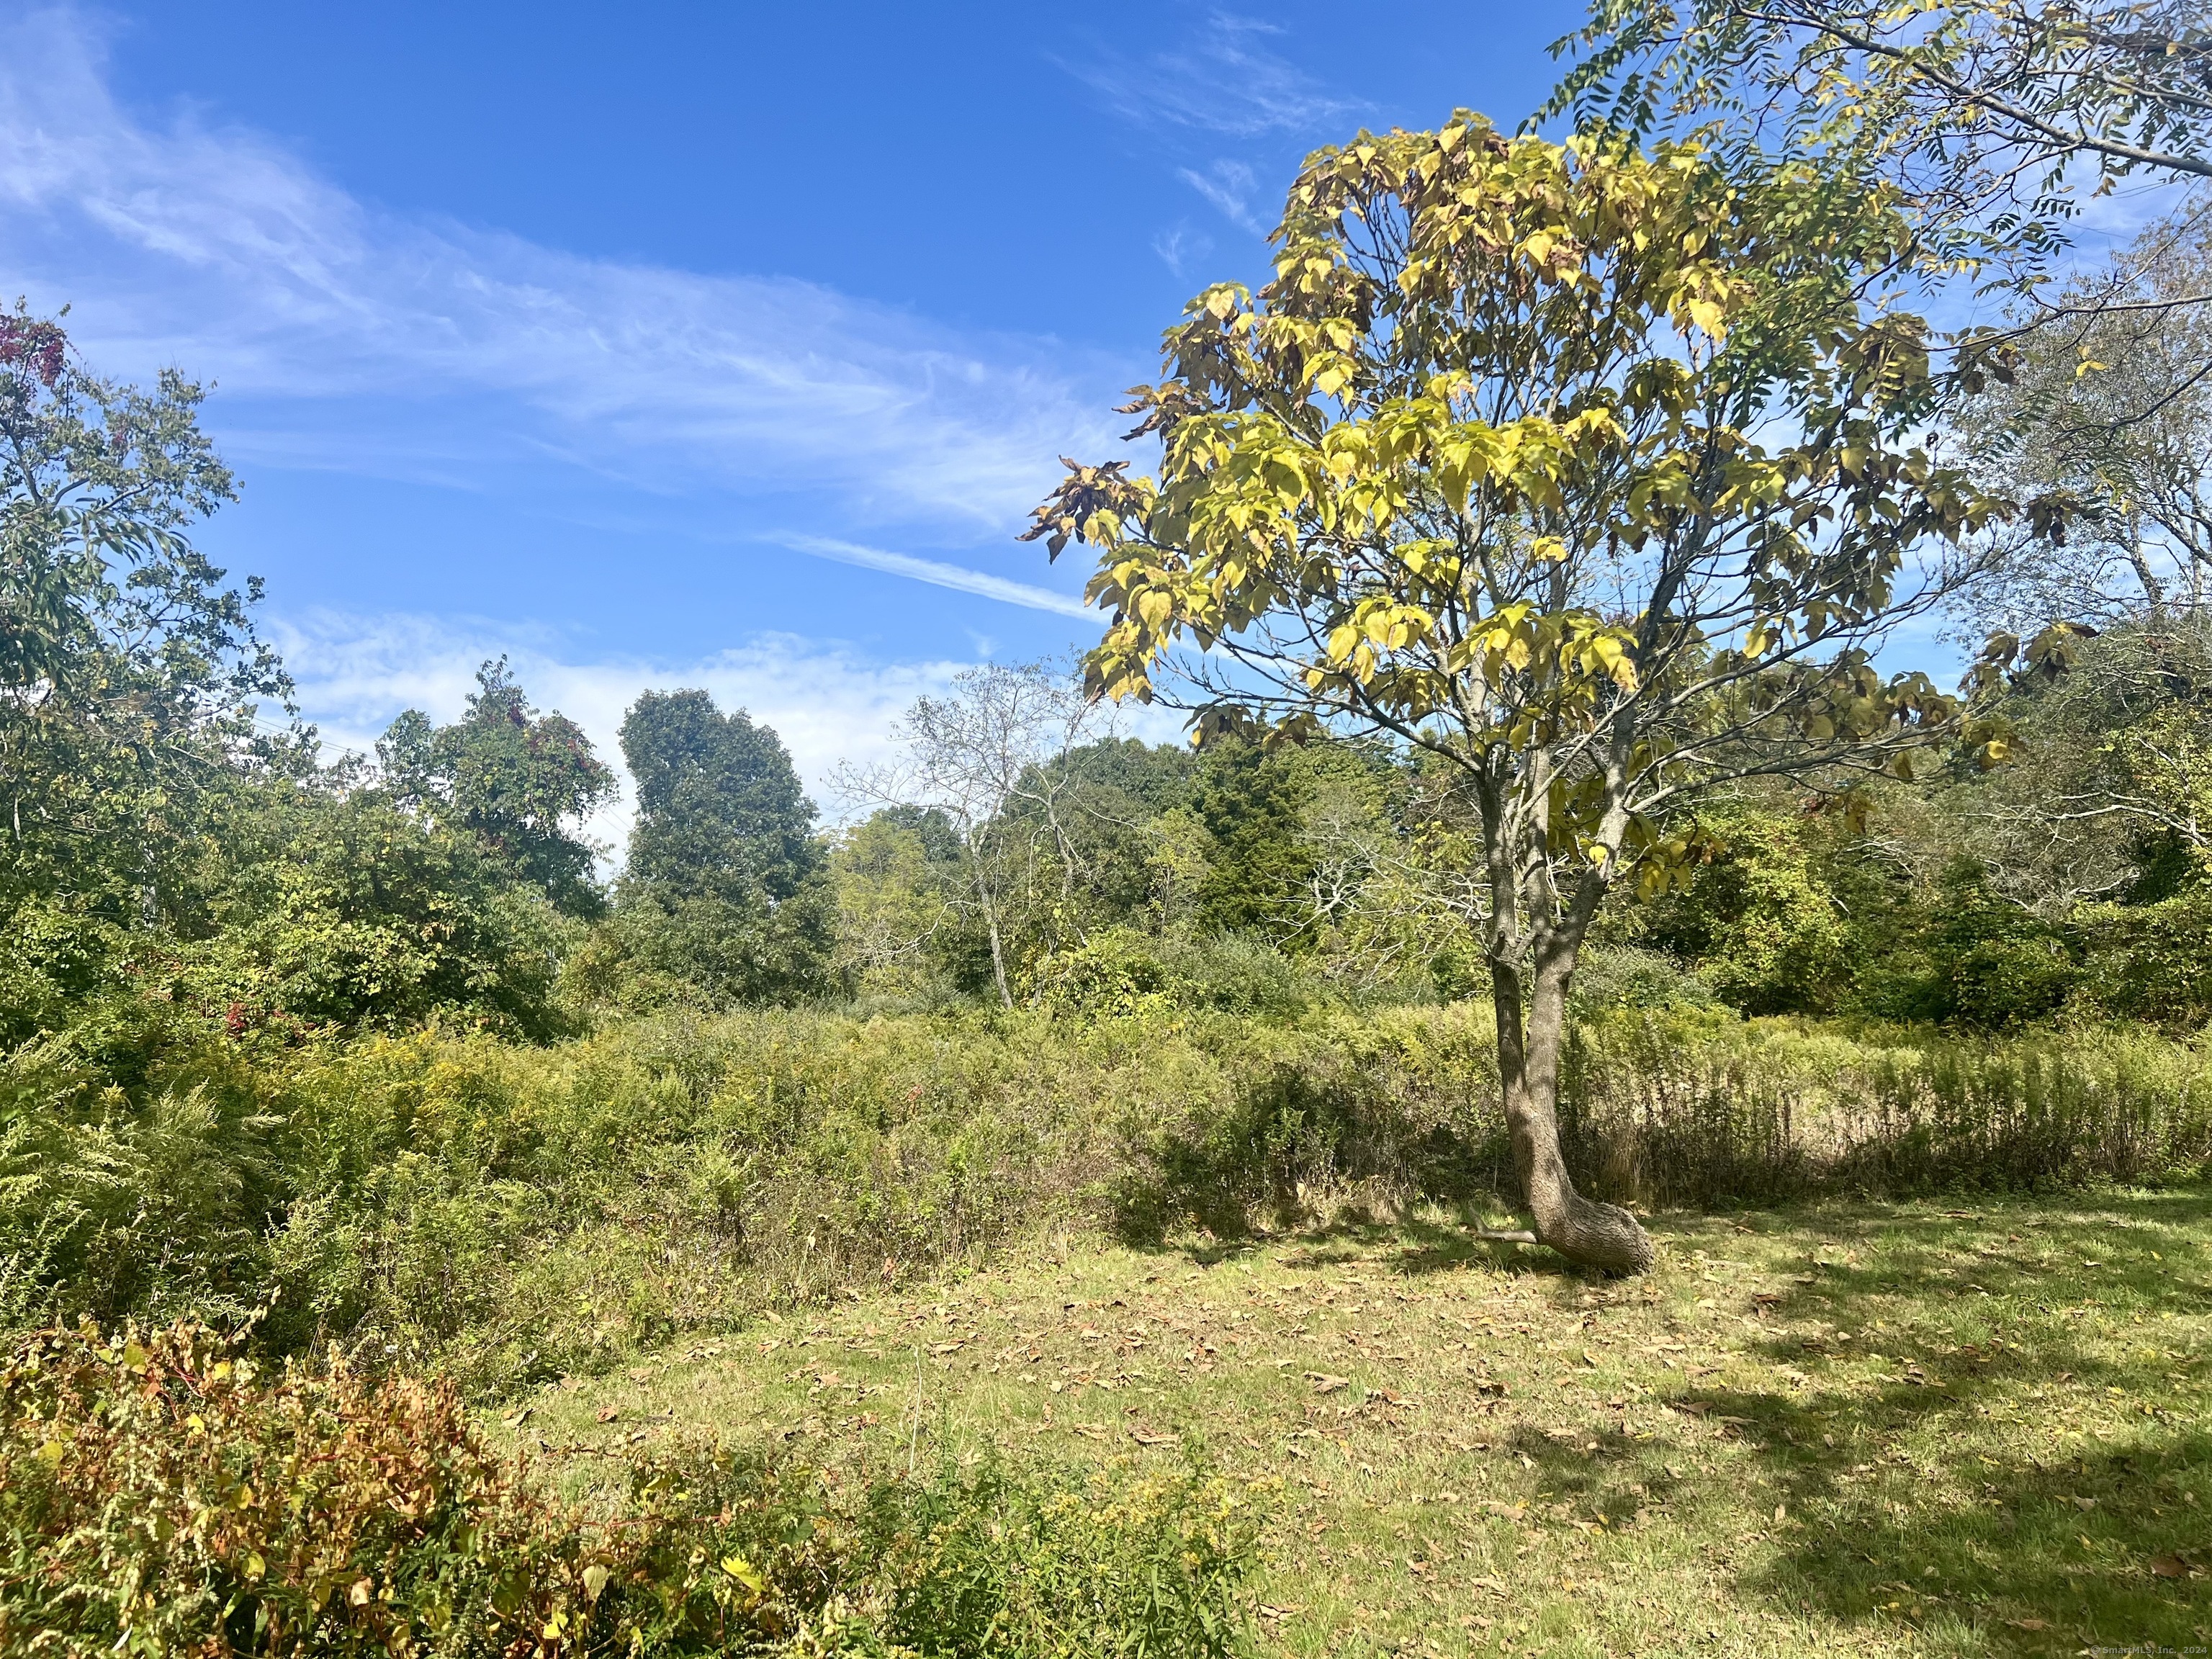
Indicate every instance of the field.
{"type": "Point", "coordinates": [1947, 1427]}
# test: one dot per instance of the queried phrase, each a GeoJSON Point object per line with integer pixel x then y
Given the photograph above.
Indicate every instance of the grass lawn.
{"type": "Point", "coordinates": [1965, 1427]}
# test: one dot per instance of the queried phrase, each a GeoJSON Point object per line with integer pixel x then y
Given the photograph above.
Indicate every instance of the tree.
{"type": "Point", "coordinates": [1979, 99]}
{"type": "Point", "coordinates": [130, 672]}
{"type": "Point", "coordinates": [1590, 472]}
{"type": "Point", "coordinates": [893, 872]}
{"type": "Point", "coordinates": [983, 757]}
{"type": "Point", "coordinates": [725, 898]}
{"type": "Point", "coordinates": [520, 782]}
{"type": "Point", "coordinates": [332, 904]}
{"type": "Point", "coordinates": [2108, 407]}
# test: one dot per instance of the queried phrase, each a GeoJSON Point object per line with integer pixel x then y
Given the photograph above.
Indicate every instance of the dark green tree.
{"type": "Point", "coordinates": [726, 898]}
{"type": "Point", "coordinates": [520, 782]}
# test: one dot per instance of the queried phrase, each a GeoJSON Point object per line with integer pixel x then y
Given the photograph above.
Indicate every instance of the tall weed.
{"type": "Point", "coordinates": [509, 1213]}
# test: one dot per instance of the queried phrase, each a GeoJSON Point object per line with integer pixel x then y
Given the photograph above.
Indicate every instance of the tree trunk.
{"type": "Point", "coordinates": [1595, 1235]}
{"type": "Point", "coordinates": [998, 953]}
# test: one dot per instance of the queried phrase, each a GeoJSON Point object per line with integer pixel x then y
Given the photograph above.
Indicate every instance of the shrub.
{"type": "Point", "coordinates": [2149, 961]}
{"type": "Point", "coordinates": [153, 1197]}
{"type": "Point", "coordinates": [158, 1495]}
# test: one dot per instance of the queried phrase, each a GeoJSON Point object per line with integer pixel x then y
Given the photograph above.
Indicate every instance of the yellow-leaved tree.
{"type": "Point", "coordinates": [1587, 469]}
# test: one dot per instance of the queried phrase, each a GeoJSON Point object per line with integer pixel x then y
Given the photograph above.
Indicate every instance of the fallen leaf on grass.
{"type": "Point", "coordinates": [1145, 1437]}
{"type": "Point", "coordinates": [608, 1413]}
{"type": "Point", "coordinates": [2085, 1504]}
{"type": "Point", "coordinates": [515, 1419]}
{"type": "Point", "coordinates": [2029, 1624]}
{"type": "Point", "coordinates": [1324, 1383]}
{"type": "Point", "coordinates": [1276, 1614]}
{"type": "Point", "coordinates": [2170, 1567]}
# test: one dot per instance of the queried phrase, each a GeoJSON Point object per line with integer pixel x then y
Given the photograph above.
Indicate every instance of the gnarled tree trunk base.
{"type": "Point", "coordinates": [1595, 1235]}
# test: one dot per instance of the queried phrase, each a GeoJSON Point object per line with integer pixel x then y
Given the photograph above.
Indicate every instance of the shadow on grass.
{"type": "Point", "coordinates": [1410, 1248]}
{"type": "Point", "coordinates": [2056, 1515]}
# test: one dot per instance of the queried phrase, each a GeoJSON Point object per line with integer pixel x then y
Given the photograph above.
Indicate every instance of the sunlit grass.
{"type": "Point", "coordinates": [1941, 1429]}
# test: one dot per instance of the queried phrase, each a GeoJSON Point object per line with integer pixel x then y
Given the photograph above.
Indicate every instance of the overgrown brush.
{"type": "Point", "coordinates": [509, 1214]}
{"type": "Point", "coordinates": [158, 1495]}
{"type": "Point", "coordinates": [1679, 1110]}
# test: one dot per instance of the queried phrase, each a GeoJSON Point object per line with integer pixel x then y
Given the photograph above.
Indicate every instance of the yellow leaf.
{"type": "Point", "coordinates": [742, 1569]}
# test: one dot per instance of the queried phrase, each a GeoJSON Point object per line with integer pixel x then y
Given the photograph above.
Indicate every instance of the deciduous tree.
{"type": "Point", "coordinates": [983, 757]}
{"type": "Point", "coordinates": [1592, 471]}
{"type": "Point", "coordinates": [520, 781]}
{"type": "Point", "coordinates": [726, 893]}
{"type": "Point", "coordinates": [129, 671]}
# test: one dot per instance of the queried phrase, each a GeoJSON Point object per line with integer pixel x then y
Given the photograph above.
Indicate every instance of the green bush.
{"type": "Point", "coordinates": [2152, 962]}
{"type": "Point", "coordinates": [158, 1495]}
{"type": "Point", "coordinates": [1121, 971]}
{"type": "Point", "coordinates": [1992, 964]}
{"type": "Point", "coordinates": [142, 1168]}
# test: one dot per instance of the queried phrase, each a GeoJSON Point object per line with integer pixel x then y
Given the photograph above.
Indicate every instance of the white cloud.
{"type": "Point", "coordinates": [1180, 248]}
{"type": "Point", "coordinates": [940, 574]}
{"type": "Point", "coordinates": [826, 703]}
{"type": "Point", "coordinates": [460, 348]}
{"type": "Point", "coordinates": [829, 704]}
{"type": "Point", "coordinates": [1228, 185]}
{"type": "Point", "coordinates": [1227, 81]}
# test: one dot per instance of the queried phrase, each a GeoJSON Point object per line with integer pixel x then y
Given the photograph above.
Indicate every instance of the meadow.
{"type": "Point", "coordinates": [882, 1308]}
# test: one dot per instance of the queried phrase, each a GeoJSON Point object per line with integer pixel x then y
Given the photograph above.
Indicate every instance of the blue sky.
{"type": "Point", "coordinates": [661, 343]}
{"type": "Point", "coordinates": [674, 343]}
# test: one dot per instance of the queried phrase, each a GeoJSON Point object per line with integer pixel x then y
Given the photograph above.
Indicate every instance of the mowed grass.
{"type": "Point", "coordinates": [1929, 1428]}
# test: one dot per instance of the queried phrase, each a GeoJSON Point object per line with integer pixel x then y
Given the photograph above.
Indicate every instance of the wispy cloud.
{"type": "Point", "coordinates": [439, 350]}
{"type": "Point", "coordinates": [1227, 81]}
{"type": "Point", "coordinates": [1228, 185]}
{"type": "Point", "coordinates": [828, 703]}
{"type": "Point", "coordinates": [1179, 248]}
{"type": "Point", "coordinates": [940, 574]}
